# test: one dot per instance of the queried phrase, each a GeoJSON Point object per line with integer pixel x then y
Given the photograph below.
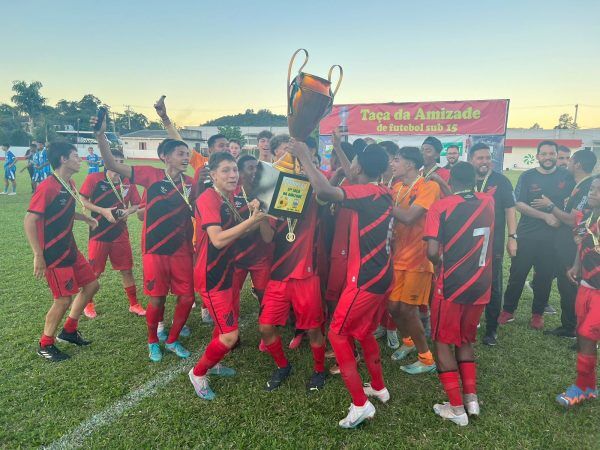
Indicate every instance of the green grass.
{"type": "Point", "coordinates": [40, 402]}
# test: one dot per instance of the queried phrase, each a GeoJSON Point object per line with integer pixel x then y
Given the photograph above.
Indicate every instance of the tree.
{"type": "Point", "coordinates": [536, 126]}
{"type": "Point", "coordinates": [155, 126]}
{"type": "Point", "coordinates": [28, 99]}
{"type": "Point", "coordinates": [262, 118]}
{"type": "Point", "coordinates": [232, 132]}
{"type": "Point", "coordinates": [565, 122]}
{"type": "Point", "coordinates": [130, 121]}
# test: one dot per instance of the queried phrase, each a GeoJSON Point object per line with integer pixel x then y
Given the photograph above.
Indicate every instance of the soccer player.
{"type": "Point", "coordinates": [220, 225]}
{"type": "Point", "coordinates": [167, 236]}
{"type": "Point", "coordinates": [29, 155]}
{"type": "Point", "coordinates": [369, 273]}
{"type": "Point", "coordinates": [497, 185]}
{"type": "Point", "coordinates": [452, 155]}
{"type": "Point", "coordinates": [41, 164]}
{"type": "Point", "coordinates": [413, 196]}
{"type": "Point", "coordinates": [49, 230]}
{"type": "Point", "coordinates": [10, 170]}
{"type": "Point", "coordinates": [93, 161]}
{"type": "Point", "coordinates": [431, 150]}
{"type": "Point", "coordinates": [585, 272]}
{"type": "Point", "coordinates": [264, 151]}
{"type": "Point", "coordinates": [235, 148]}
{"type": "Point", "coordinates": [459, 230]}
{"type": "Point", "coordinates": [111, 239]}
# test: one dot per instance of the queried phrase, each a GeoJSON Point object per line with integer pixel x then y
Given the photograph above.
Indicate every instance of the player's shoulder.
{"type": "Point", "coordinates": [94, 177]}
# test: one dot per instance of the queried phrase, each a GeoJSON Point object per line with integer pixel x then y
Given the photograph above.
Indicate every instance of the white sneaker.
{"type": "Point", "coordinates": [206, 318]}
{"type": "Point", "coordinates": [383, 395]}
{"type": "Point", "coordinates": [357, 415]}
{"type": "Point", "coordinates": [3, 193]}
{"type": "Point", "coordinates": [12, 193]}
{"type": "Point", "coordinates": [201, 386]}
{"type": "Point", "coordinates": [471, 404]}
{"type": "Point", "coordinates": [446, 411]}
{"type": "Point", "coordinates": [392, 339]}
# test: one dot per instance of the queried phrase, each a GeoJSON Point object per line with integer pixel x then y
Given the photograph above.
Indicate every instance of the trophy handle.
{"type": "Point", "coordinates": [290, 71]}
{"type": "Point", "coordinates": [339, 80]}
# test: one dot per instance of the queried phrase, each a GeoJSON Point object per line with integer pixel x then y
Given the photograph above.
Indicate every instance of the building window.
{"type": "Point", "coordinates": [142, 146]}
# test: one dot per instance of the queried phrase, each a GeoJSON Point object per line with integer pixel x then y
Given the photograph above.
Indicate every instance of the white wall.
{"type": "Point", "coordinates": [520, 158]}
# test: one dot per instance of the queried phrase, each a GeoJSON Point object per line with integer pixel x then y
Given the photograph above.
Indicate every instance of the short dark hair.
{"type": "Point", "coordinates": [243, 160]}
{"type": "Point", "coordinates": [476, 147]}
{"type": "Point", "coordinates": [217, 158]}
{"type": "Point", "coordinates": [236, 141]}
{"type": "Point", "coordinates": [453, 146]}
{"type": "Point", "coordinates": [264, 134]}
{"type": "Point", "coordinates": [359, 145]}
{"type": "Point", "coordinates": [412, 154]}
{"type": "Point", "coordinates": [33, 145]}
{"type": "Point", "coordinates": [276, 141]}
{"type": "Point", "coordinates": [434, 142]}
{"type": "Point", "coordinates": [57, 150]}
{"type": "Point", "coordinates": [373, 161]}
{"type": "Point", "coordinates": [586, 158]}
{"type": "Point", "coordinates": [462, 174]}
{"type": "Point", "coordinates": [390, 147]}
{"type": "Point", "coordinates": [564, 149]}
{"type": "Point", "coordinates": [542, 143]}
{"type": "Point", "coordinates": [118, 154]}
{"type": "Point", "coordinates": [348, 150]}
{"type": "Point", "coordinates": [167, 146]}
{"type": "Point", "coordinates": [213, 139]}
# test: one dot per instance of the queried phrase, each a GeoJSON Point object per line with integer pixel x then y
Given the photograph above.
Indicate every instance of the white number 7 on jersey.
{"type": "Point", "coordinates": [485, 232]}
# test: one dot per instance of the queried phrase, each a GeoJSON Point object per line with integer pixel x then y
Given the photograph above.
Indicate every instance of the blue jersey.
{"type": "Point", "coordinates": [39, 159]}
{"type": "Point", "coordinates": [94, 163]}
{"type": "Point", "coordinates": [9, 165]}
{"type": "Point", "coordinates": [47, 169]}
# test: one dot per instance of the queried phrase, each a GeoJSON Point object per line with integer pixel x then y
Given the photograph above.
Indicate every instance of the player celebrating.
{"type": "Point", "coordinates": [459, 230]}
{"type": "Point", "coordinates": [219, 226]}
{"type": "Point", "coordinates": [10, 170]}
{"type": "Point", "coordinates": [111, 238]}
{"type": "Point", "coordinates": [49, 229]}
{"type": "Point", "coordinates": [264, 150]}
{"type": "Point", "coordinates": [431, 149]}
{"type": "Point", "coordinates": [167, 236]}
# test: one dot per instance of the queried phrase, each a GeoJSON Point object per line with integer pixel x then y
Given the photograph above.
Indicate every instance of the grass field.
{"type": "Point", "coordinates": [111, 395]}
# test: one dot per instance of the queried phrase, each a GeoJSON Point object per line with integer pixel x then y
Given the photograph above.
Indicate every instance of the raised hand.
{"type": "Point", "coordinates": [160, 107]}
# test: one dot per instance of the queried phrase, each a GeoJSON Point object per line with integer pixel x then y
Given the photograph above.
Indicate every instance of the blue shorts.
{"type": "Point", "coordinates": [10, 174]}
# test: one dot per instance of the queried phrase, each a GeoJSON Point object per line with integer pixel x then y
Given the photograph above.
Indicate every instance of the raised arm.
{"type": "Point", "coordinates": [109, 161]}
{"type": "Point", "coordinates": [337, 148]}
{"type": "Point", "coordinates": [161, 110]}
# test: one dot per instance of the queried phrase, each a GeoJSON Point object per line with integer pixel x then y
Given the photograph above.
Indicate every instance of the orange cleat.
{"type": "Point", "coordinates": [90, 311]}
{"type": "Point", "coordinates": [137, 309]}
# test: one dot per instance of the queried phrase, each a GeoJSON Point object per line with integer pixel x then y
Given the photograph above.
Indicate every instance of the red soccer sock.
{"type": "Point", "coordinates": [153, 315]}
{"type": "Point", "coordinates": [275, 349]}
{"type": "Point", "coordinates": [318, 352]}
{"type": "Point", "coordinates": [468, 376]}
{"type": "Point", "coordinates": [215, 352]}
{"type": "Point", "coordinates": [46, 340]}
{"type": "Point", "coordinates": [344, 355]}
{"type": "Point", "coordinates": [586, 371]}
{"type": "Point", "coordinates": [373, 361]}
{"type": "Point", "coordinates": [182, 312]}
{"type": "Point", "coordinates": [131, 295]}
{"type": "Point", "coordinates": [71, 325]}
{"type": "Point", "coordinates": [451, 386]}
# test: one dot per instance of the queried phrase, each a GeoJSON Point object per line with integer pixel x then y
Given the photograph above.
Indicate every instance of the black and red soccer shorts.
{"type": "Point", "coordinates": [66, 281]}
{"type": "Point", "coordinates": [454, 323]}
{"type": "Point", "coordinates": [164, 273]}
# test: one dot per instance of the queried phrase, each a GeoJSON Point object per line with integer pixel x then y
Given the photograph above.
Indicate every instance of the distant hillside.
{"type": "Point", "coordinates": [262, 118]}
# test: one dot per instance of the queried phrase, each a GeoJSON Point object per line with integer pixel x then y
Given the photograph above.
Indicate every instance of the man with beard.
{"type": "Point", "coordinates": [564, 154]}
{"type": "Point", "coordinates": [452, 155]}
{"type": "Point", "coordinates": [499, 187]}
{"type": "Point", "coordinates": [536, 233]}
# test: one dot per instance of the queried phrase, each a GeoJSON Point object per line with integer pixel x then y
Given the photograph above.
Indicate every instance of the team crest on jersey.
{"type": "Point", "coordinates": [103, 187]}
{"type": "Point", "coordinates": [163, 189]}
{"type": "Point", "coordinates": [238, 203]}
{"type": "Point", "coordinates": [561, 185]}
{"type": "Point", "coordinates": [187, 189]}
{"type": "Point", "coordinates": [62, 201]}
{"type": "Point", "coordinates": [125, 189]}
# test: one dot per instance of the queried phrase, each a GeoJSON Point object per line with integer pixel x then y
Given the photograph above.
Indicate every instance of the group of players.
{"type": "Point", "coordinates": [386, 236]}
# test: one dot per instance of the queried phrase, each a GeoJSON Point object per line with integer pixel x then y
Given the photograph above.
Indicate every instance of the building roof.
{"type": "Point", "coordinates": [148, 134]}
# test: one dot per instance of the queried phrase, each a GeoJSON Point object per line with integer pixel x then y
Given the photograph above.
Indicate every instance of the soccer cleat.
{"type": "Point", "coordinates": [505, 317]}
{"type": "Point", "coordinates": [178, 349]}
{"type": "Point", "coordinates": [449, 412]}
{"type": "Point", "coordinates": [357, 415]}
{"type": "Point", "coordinates": [403, 352]}
{"type": "Point", "coordinates": [221, 371]}
{"type": "Point", "coordinates": [549, 310]}
{"type": "Point", "coordinates": [201, 386]}
{"type": "Point", "coordinates": [382, 395]}
{"type": "Point", "coordinates": [561, 332]}
{"type": "Point", "coordinates": [185, 331]}
{"type": "Point", "coordinates": [490, 340]}
{"type": "Point", "coordinates": [471, 404]}
{"type": "Point", "coordinates": [537, 321]}
{"type": "Point", "coordinates": [316, 382]}
{"type": "Point", "coordinates": [137, 309]}
{"type": "Point", "coordinates": [72, 338]}
{"type": "Point", "coordinates": [279, 376]}
{"type": "Point", "coordinates": [379, 332]}
{"type": "Point", "coordinates": [296, 341]}
{"type": "Point", "coordinates": [51, 353]}
{"type": "Point", "coordinates": [162, 334]}
{"type": "Point", "coordinates": [154, 352]}
{"type": "Point", "coordinates": [418, 367]}
{"type": "Point", "coordinates": [206, 318]}
{"type": "Point", "coordinates": [392, 339]}
{"type": "Point", "coordinates": [90, 311]}
{"type": "Point", "coordinates": [575, 395]}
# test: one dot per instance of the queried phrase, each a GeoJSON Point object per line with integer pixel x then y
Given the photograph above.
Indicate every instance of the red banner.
{"type": "Point", "coordinates": [437, 118]}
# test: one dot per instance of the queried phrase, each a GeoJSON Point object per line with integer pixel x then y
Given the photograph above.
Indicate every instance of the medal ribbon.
{"type": "Point", "coordinates": [483, 185]}
{"type": "Point", "coordinates": [184, 195]}
{"type": "Point", "coordinates": [67, 187]}
{"type": "Point", "coordinates": [410, 188]}
{"type": "Point", "coordinates": [119, 194]}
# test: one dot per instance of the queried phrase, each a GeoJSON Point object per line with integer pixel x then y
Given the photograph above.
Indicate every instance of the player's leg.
{"type": "Point", "coordinates": [520, 266]}
{"type": "Point", "coordinates": [545, 262]}
{"type": "Point", "coordinates": [181, 279]}
{"type": "Point", "coordinates": [54, 316]}
{"type": "Point", "coordinates": [568, 294]}
{"type": "Point", "coordinates": [5, 184]}
{"type": "Point", "coordinates": [492, 309]}
{"type": "Point", "coordinates": [98, 253]}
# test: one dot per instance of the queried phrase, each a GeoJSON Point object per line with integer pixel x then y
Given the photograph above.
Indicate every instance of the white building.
{"type": "Point", "coordinates": [144, 143]}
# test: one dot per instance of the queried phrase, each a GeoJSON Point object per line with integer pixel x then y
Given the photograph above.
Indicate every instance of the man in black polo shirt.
{"type": "Point", "coordinates": [501, 189]}
{"type": "Point", "coordinates": [536, 233]}
{"type": "Point", "coordinates": [580, 165]}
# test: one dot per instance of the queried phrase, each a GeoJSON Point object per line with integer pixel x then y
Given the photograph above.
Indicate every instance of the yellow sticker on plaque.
{"type": "Point", "coordinates": [292, 195]}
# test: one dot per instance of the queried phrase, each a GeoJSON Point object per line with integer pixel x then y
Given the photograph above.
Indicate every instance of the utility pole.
{"type": "Point", "coordinates": [127, 111]}
{"type": "Point", "coordinates": [576, 110]}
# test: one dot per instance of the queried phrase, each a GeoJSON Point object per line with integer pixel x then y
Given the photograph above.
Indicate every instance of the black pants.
{"type": "Point", "coordinates": [568, 294]}
{"type": "Point", "coordinates": [492, 309]}
{"type": "Point", "coordinates": [540, 255]}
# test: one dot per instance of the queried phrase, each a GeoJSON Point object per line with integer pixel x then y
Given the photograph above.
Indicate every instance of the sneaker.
{"type": "Point", "coordinates": [185, 332]}
{"type": "Point", "coordinates": [206, 318]}
{"type": "Point", "coordinates": [51, 353]}
{"type": "Point", "coordinates": [379, 332]}
{"type": "Point", "coordinates": [490, 340]}
{"type": "Point", "coordinates": [383, 395]}
{"type": "Point", "coordinates": [178, 349]}
{"type": "Point", "coordinates": [73, 338]}
{"type": "Point", "coordinates": [136, 309]}
{"type": "Point", "coordinates": [296, 341]}
{"type": "Point", "coordinates": [418, 367]}
{"type": "Point", "coordinates": [329, 354]}
{"type": "Point", "coordinates": [574, 395]}
{"type": "Point", "coordinates": [561, 332]}
{"type": "Point", "coordinates": [262, 347]}
{"type": "Point", "coordinates": [3, 193]}
{"type": "Point", "coordinates": [392, 339]}
{"type": "Point", "coordinates": [506, 317]}
{"type": "Point", "coordinates": [403, 352]}
{"type": "Point", "coordinates": [278, 377]}
{"type": "Point", "coordinates": [471, 404]}
{"type": "Point", "coordinates": [335, 369]}
{"type": "Point", "coordinates": [221, 371]}
{"type": "Point", "coordinates": [448, 412]}
{"type": "Point", "coordinates": [537, 321]}
{"type": "Point", "coordinates": [90, 311]}
{"type": "Point", "coordinates": [201, 386]}
{"type": "Point", "coordinates": [549, 310]}
{"type": "Point", "coordinates": [12, 193]}
{"type": "Point", "coordinates": [316, 382]}
{"type": "Point", "coordinates": [162, 334]}
{"type": "Point", "coordinates": [154, 352]}
{"type": "Point", "coordinates": [357, 415]}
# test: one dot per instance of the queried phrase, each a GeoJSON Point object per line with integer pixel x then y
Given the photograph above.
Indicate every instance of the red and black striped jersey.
{"type": "Point", "coordinates": [99, 191]}
{"type": "Point", "coordinates": [214, 266]}
{"type": "Point", "coordinates": [56, 207]}
{"type": "Point", "coordinates": [168, 228]}
{"type": "Point", "coordinates": [369, 259]}
{"type": "Point", "coordinates": [463, 224]}
{"type": "Point", "coordinates": [589, 257]}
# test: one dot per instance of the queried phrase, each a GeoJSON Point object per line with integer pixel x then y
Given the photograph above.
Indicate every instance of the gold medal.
{"type": "Point", "coordinates": [595, 239]}
{"type": "Point", "coordinates": [290, 237]}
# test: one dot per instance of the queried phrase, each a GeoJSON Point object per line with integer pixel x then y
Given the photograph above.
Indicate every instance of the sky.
{"type": "Point", "coordinates": [216, 58]}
